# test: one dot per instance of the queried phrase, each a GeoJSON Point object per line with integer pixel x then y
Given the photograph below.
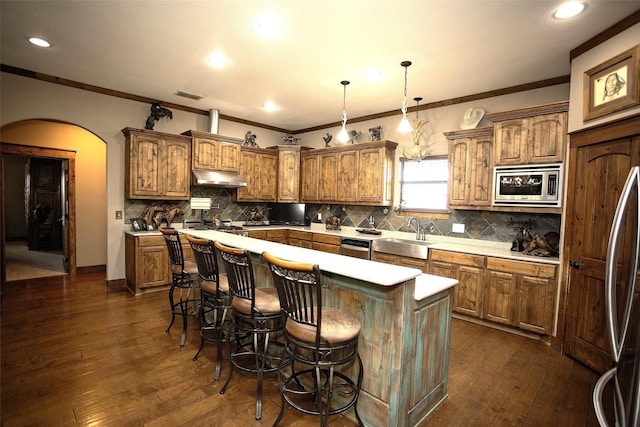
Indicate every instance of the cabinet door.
{"type": "Point", "coordinates": [328, 176]}
{"type": "Point", "coordinates": [499, 297]}
{"type": "Point", "coordinates": [481, 171]}
{"type": "Point", "coordinates": [547, 138]}
{"type": "Point", "coordinates": [309, 178]}
{"type": "Point", "coordinates": [288, 176]}
{"type": "Point", "coordinates": [205, 153]}
{"type": "Point", "coordinates": [535, 304]}
{"type": "Point", "coordinates": [248, 170]}
{"type": "Point", "coordinates": [469, 291]}
{"type": "Point", "coordinates": [384, 258]}
{"type": "Point", "coordinates": [229, 160]}
{"type": "Point", "coordinates": [267, 175]}
{"type": "Point", "coordinates": [347, 182]}
{"type": "Point", "coordinates": [371, 175]}
{"type": "Point", "coordinates": [177, 169]}
{"type": "Point", "coordinates": [510, 142]}
{"type": "Point", "coordinates": [153, 267]}
{"type": "Point", "coordinates": [459, 171]}
{"type": "Point", "coordinates": [144, 167]}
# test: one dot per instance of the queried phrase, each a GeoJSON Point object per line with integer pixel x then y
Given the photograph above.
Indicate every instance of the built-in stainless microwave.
{"type": "Point", "coordinates": [528, 185]}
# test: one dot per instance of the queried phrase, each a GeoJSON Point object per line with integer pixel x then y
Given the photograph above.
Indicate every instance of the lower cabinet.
{"type": "Point", "coordinates": [277, 236]}
{"type": "Point", "coordinates": [404, 261]}
{"type": "Point", "coordinates": [510, 292]}
{"type": "Point", "coordinates": [468, 270]}
{"type": "Point", "coordinates": [147, 263]}
{"type": "Point", "coordinates": [301, 239]}
{"type": "Point", "coordinates": [326, 243]}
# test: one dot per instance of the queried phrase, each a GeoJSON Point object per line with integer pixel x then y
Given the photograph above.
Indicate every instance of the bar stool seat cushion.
{"type": "Point", "coordinates": [190, 268]}
{"type": "Point", "coordinates": [338, 326]}
{"type": "Point", "coordinates": [209, 286]}
{"type": "Point", "coordinates": [267, 302]}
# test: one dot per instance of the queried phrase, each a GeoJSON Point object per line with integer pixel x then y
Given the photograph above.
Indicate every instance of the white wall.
{"type": "Point", "coordinates": [593, 58]}
{"type": "Point", "coordinates": [105, 116]}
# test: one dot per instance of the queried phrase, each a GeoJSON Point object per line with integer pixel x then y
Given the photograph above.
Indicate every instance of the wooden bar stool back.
{"type": "Point", "coordinates": [215, 298]}
{"type": "Point", "coordinates": [256, 315]}
{"type": "Point", "coordinates": [323, 340]}
{"type": "Point", "coordinates": [184, 281]}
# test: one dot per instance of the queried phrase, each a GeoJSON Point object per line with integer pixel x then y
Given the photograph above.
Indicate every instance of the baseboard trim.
{"type": "Point", "coordinates": [91, 269]}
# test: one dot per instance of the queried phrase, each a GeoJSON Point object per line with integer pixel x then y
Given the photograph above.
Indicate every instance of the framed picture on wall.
{"type": "Point", "coordinates": [612, 86]}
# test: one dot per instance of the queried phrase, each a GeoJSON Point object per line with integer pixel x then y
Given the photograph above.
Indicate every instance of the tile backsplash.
{"type": "Point", "coordinates": [482, 225]}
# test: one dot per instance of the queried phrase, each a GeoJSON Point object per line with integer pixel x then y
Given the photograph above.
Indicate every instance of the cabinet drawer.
{"type": "Point", "coordinates": [150, 241]}
{"type": "Point", "coordinates": [326, 238]}
{"type": "Point", "coordinates": [521, 267]}
{"type": "Point", "coordinates": [300, 235]}
{"type": "Point", "coordinates": [324, 247]}
{"type": "Point", "coordinates": [457, 258]}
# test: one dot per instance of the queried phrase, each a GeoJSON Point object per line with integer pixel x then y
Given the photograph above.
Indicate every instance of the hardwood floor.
{"type": "Point", "coordinates": [76, 352]}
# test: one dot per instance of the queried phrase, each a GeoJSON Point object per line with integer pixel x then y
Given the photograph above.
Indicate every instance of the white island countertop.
{"type": "Point", "coordinates": [360, 269]}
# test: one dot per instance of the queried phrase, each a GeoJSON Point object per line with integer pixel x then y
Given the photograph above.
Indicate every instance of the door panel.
{"type": "Point", "coordinates": [599, 173]}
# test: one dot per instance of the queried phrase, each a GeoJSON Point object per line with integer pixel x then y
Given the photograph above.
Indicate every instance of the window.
{"type": "Point", "coordinates": [423, 184]}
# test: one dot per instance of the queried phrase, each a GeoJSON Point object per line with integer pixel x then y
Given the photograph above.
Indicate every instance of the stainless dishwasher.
{"type": "Point", "coordinates": [357, 248]}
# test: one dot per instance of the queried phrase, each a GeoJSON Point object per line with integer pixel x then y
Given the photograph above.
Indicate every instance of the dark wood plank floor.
{"type": "Point", "coordinates": [76, 352]}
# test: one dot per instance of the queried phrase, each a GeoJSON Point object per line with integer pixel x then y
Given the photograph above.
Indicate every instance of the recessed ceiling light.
{"type": "Point", "coordinates": [270, 106]}
{"type": "Point", "coordinates": [569, 9]}
{"type": "Point", "coordinates": [217, 60]}
{"type": "Point", "coordinates": [269, 25]}
{"type": "Point", "coordinates": [39, 42]}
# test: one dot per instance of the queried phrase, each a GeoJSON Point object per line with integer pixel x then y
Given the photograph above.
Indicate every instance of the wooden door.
{"type": "Point", "coordinates": [371, 175]}
{"type": "Point", "coordinates": [289, 176]}
{"type": "Point", "coordinates": [205, 153]}
{"type": "Point", "coordinates": [547, 138]}
{"type": "Point", "coordinates": [347, 183]}
{"type": "Point", "coordinates": [481, 171]}
{"type": "Point", "coordinates": [328, 176]}
{"type": "Point", "coordinates": [268, 176]}
{"type": "Point", "coordinates": [248, 170]}
{"type": "Point", "coordinates": [176, 169]}
{"type": "Point", "coordinates": [459, 171]}
{"type": "Point", "coordinates": [510, 142]}
{"type": "Point", "coordinates": [229, 157]}
{"type": "Point", "coordinates": [598, 171]}
{"type": "Point", "coordinates": [499, 297]}
{"type": "Point", "coordinates": [144, 167]}
{"type": "Point", "coordinates": [309, 178]}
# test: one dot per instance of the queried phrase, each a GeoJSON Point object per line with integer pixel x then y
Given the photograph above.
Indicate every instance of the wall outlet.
{"type": "Point", "coordinates": [319, 217]}
{"type": "Point", "coordinates": [118, 214]}
{"type": "Point", "coordinates": [457, 228]}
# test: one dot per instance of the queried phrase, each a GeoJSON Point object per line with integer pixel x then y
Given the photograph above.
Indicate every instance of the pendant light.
{"type": "Point", "coordinates": [404, 125]}
{"type": "Point", "coordinates": [343, 136]}
{"type": "Point", "coordinates": [417, 151]}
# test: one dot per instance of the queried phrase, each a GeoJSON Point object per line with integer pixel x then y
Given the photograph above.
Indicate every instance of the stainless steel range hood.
{"type": "Point", "coordinates": [218, 179]}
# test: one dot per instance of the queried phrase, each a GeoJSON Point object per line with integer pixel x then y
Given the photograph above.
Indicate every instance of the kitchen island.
{"type": "Point", "coordinates": [406, 325]}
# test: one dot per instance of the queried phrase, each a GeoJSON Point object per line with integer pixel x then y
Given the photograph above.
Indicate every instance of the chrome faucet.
{"type": "Point", "coordinates": [417, 226]}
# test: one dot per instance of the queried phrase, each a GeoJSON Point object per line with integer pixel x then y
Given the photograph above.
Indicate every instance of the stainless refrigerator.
{"type": "Point", "coordinates": [623, 313]}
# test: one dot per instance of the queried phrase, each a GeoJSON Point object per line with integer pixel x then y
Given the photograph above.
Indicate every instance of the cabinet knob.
{"type": "Point", "coordinates": [574, 264]}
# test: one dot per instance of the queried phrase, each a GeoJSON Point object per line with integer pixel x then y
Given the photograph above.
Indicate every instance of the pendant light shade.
{"type": "Point", "coordinates": [417, 151]}
{"type": "Point", "coordinates": [343, 135]}
{"type": "Point", "coordinates": [405, 125]}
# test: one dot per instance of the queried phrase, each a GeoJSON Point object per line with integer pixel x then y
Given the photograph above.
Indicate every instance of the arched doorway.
{"type": "Point", "coordinates": [85, 211]}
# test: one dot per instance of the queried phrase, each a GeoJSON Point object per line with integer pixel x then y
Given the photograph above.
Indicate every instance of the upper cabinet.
{"type": "Point", "coordinates": [259, 167]}
{"type": "Point", "coordinates": [530, 135]}
{"type": "Point", "coordinates": [157, 165]}
{"type": "Point", "coordinates": [359, 174]}
{"type": "Point", "coordinates": [470, 167]}
{"type": "Point", "coordinates": [289, 173]}
{"type": "Point", "coordinates": [214, 152]}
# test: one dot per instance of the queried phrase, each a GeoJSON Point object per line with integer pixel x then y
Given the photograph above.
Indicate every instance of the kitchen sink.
{"type": "Point", "coordinates": [403, 247]}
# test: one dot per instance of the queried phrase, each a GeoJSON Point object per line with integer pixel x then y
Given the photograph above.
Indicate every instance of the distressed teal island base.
{"type": "Point", "coordinates": [406, 326]}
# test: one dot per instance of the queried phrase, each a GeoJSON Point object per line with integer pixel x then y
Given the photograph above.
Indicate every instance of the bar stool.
{"type": "Point", "coordinates": [320, 339]}
{"type": "Point", "coordinates": [256, 315]}
{"type": "Point", "coordinates": [184, 277]}
{"type": "Point", "coordinates": [215, 298]}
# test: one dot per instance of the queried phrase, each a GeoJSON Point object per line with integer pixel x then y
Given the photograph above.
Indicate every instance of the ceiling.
{"type": "Point", "coordinates": [156, 48]}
